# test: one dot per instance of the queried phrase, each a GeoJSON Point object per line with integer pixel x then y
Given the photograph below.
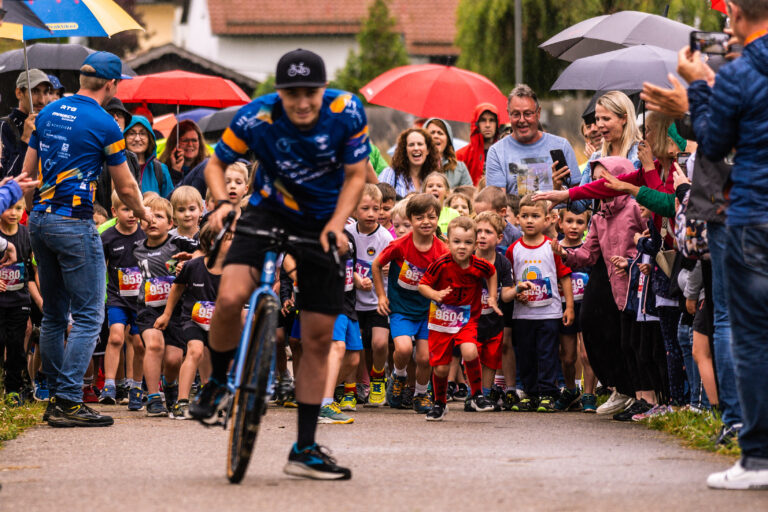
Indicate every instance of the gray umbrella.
{"type": "Point", "coordinates": [621, 69]}
{"type": "Point", "coordinates": [218, 121]}
{"type": "Point", "coordinates": [619, 30]}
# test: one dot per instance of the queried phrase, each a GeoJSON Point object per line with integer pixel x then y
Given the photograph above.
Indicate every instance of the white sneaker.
{"type": "Point", "coordinates": [739, 478]}
{"type": "Point", "coordinates": [616, 403]}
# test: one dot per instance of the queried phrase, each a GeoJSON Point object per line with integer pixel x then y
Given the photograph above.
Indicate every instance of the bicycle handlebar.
{"type": "Point", "coordinates": [279, 238]}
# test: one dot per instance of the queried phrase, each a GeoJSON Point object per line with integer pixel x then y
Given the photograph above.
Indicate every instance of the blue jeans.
{"type": "Point", "coordinates": [717, 237]}
{"type": "Point", "coordinates": [698, 397]}
{"type": "Point", "coordinates": [746, 259]}
{"type": "Point", "coordinates": [70, 262]}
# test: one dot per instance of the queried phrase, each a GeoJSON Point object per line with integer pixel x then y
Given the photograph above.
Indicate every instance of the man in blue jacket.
{"type": "Point", "coordinates": [730, 113]}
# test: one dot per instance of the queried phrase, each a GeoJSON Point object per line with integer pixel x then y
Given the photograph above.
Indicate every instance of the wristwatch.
{"type": "Point", "coordinates": [221, 202]}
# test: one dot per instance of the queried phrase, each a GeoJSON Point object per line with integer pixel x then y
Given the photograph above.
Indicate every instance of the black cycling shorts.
{"type": "Point", "coordinates": [321, 289]}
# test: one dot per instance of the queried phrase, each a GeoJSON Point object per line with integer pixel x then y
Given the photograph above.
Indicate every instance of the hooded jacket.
{"type": "Point", "coordinates": [473, 154]}
{"type": "Point", "coordinates": [460, 174]}
{"type": "Point", "coordinates": [147, 177]}
{"type": "Point", "coordinates": [611, 233]}
{"type": "Point", "coordinates": [733, 114]}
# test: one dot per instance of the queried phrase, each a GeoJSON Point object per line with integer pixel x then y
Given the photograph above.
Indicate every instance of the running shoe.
{"type": "Point", "coordinates": [395, 389]}
{"type": "Point", "coordinates": [66, 414]}
{"type": "Point", "coordinates": [728, 435]}
{"type": "Point", "coordinates": [656, 410]}
{"type": "Point", "coordinates": [510, 399]}
{"type": "Point", "coordinates": [421, 403]}
{"type": "Point", "coordinates": [450, 391]}
{"type": "Point", "coordinates": [363, 392]}
{"type": "Point", "coordinates": [108, 395]}
{"type": "Point", "coordinates": [478, 403]}
{"type": "Point", "coordinates": [210, 403]}
{"type": "Point", "coordinates": [546, 404]}
{"type": "Point", "coordinates": [637, 407]}
{"type": "Point", "coordinates": [89, 395]}
{"type": "Point", "coordinates": [524, 405]}
{"type": "Point", "coordinates": [13, 399]}
{"type": "Point", "coordinates": [179, 409]}
{"type": "Point", "coordinates": [135, 402]}
{"type": "Point", "coordinates": [331, 414]}
{"type": "Point", "coordinates": [739, 478]}
{"type": "Point", "coordinates": [348, 402]}
{"type": "Point", "coordinates": [49, 409]}
{"type": "Point", "coordinates": [616, 403]}
{"type": "Point", "coordinates": [378, 393]}
{"type": "Point", "coordinates": [589, 403]}
{"type": "Point", "coordinates": [155, 407]}
{"type": "Point", "coordinates": [290, 400]}
{"type": "Point", "coordinates": [41, 389]}
{"type": "Point", "coordinates": [121, 396]}
{"type": "Point", "coordinates": [407, 401]}
{"type": "Point", "coordinates": [338, 393]}
{"type": "Point", "coordinates": [461, 392]}
{"type": "Point", "coordinates": [315, 462]}
{"type": "Point", "coordinates": [496, 396]}
{"type": "Point", "coordinates": [171, 393]}
{"type": "Point", "coordinates": [569, 400]}
{"type": "Point", "coordinates": [437, 412]}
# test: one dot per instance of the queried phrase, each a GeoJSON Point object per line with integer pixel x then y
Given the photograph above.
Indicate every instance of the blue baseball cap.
{"type": "Point", "coordinates": [106, 65]}
{"type": "Point", "coordinates": [56, 83]}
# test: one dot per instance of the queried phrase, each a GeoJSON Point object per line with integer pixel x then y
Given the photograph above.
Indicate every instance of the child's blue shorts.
{"type": "Point", "coordinates": [400, 325]}
{"type": "Point", "coordinates": [348, 331]}
{"type": "Point", "coordinates": [124, 316]}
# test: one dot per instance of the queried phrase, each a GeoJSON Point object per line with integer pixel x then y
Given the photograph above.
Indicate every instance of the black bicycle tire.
{"type": "Point", "coordinates": [248, 407]}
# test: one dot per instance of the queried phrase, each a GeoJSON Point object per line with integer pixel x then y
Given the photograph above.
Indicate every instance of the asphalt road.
{"type": "Point", "coordinates": [471, 461]}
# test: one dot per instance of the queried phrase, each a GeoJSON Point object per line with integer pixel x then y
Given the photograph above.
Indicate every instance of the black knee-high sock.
{"type": "Point", "coordinates": [220, 363]}
{"type": "Point", "coordinates": [308, 414]}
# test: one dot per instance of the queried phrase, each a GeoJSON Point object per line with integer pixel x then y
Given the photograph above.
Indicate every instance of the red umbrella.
{"type": "Point", "coordinates": [434, 90]}
{"type": "Point", "coordinates": [719, 5]}
{"type": "Point", "coordinates": [182, 88]}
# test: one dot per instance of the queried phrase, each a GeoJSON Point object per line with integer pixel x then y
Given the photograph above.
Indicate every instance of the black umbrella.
{"type": "Point", "coordinates": [622, 29]}
{"type": "Point", "coordinates": [218, 121]}
{"type": "Point", "coordinates": [62, 60]}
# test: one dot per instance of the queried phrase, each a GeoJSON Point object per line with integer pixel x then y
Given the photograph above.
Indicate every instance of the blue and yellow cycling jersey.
{"type": "Point", "coordinates": [300, 173]}
{"type": "Point", "coordinates": [73, 138]}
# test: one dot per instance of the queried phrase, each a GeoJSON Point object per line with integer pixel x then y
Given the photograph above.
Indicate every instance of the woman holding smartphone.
{"type": "Point", "coordinates": [190, 151]}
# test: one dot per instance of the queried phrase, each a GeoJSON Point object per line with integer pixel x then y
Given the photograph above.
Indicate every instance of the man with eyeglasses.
{"type": "Point", "coordinates": [524, 158]}
{"type": "Point", "coordinates": [72, 139]}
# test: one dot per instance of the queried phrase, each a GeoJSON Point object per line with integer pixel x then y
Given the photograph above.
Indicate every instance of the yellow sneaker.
{"type": "Point", "coordinates": [348, 402]}
{"type": "Point", "coordinates": [378, 392]}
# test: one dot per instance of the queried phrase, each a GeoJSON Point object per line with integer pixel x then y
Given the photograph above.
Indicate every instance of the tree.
{"type": "Point", "coordinates": [122, 43]}
{"type": "Point", "coordinates": [381, 49]}
{"type": "Point", "coordinates": [485, 32]}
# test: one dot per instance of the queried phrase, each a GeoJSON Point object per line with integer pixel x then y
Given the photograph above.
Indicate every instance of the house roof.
{"type": "Point", "coordinates": [169, 56]}
{"type": "Point", "coordinates": [429, 28]}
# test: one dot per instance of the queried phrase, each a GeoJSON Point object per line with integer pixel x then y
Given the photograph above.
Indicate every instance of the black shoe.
{"type": "Point", "coordinates": [546, 404]}
{"type": "Point", "coordinates": [76, 414]}
{"type": "Point", "coordinates": [478, 403]}
{"type": "Point", "coordinates": [315, 462]}
{"type": "Point", "coordinates": [728, 435]}
{"type": "Point", "coordinates": [338, 393]}
{"type": "Point", "coordinates": [525, 405]}
{"type": "Point", "coordinates": [461, 392]}
{"type": "Point", "coordinates": [510, 399]}
{"type": "Point", "coordinates": [49, 409]}
{"type": "Point", "coordinates": [171, 392]}
{"type": "Point", "coordinates": [407, 401]}
{"type": "Point", "coordinates": [211, 400]}
{"type": "Point", "coordinates": [437, 412]}
{"type": "Point", "coordinates": [496, 396]}
{"type": "Point", "coordinates": [450, 391]}
{"type": "Point", "coordinates": [639, 407]}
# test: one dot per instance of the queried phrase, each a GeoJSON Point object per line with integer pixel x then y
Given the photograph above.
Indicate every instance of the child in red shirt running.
{"type": "Point", "coordinates": [454, 284]}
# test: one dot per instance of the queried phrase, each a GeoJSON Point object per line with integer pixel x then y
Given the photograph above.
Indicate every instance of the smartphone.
{"type": "Point", "coordinates": [682, 158]}
{"type": "Point", "coordinates": [711, 43]}
{"type": "Point", "coordinates": [559, 157]}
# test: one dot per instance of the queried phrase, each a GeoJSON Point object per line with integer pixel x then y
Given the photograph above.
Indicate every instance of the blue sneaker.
{"type": "Point", "coordinates": [315, 462]}
{"type": "Point", "coordinates": [155, 407]}
{"type": "Point", "coordinates": [108, 395]}
{"type": "Point", "coordinates": [395, 389]}
{"type": "Point", "coordinates": [42, 394]}
{"type": "Point", "coordinates": [135, 402]}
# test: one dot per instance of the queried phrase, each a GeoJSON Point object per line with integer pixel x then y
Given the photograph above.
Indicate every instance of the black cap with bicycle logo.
{"type": "Point", "coordinates": [300, 68]}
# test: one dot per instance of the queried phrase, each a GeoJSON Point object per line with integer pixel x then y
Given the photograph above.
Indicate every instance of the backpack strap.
{"type": "Point", "coordinates": [14, 129]}
{"type": "Point", "coordinates": [159, 175]}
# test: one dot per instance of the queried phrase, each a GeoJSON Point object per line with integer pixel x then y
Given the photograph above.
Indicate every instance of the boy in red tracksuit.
{"type": "Point", "coordinates": [454, 284]}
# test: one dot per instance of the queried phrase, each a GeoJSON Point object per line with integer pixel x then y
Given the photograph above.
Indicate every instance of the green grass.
{"type": "Point", "coordinates": [13, 420]}
{"type": "Point", "coordinates": [696, 430]}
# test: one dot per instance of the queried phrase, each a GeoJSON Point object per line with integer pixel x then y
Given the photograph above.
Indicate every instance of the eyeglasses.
{"type": "Point", "coordinates": [137, 135]}
{"type": "Point", "coordinates": [528, 114]}
{"type": "Point", "coordinates": [188, 141]}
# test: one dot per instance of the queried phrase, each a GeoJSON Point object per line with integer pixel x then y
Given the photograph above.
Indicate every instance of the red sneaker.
{"type": "Point", "coordinates": [89, 395]}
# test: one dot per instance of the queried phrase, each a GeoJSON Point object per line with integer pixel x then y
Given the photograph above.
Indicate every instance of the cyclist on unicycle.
{"type": "Point", "coordinates": [312, 147]}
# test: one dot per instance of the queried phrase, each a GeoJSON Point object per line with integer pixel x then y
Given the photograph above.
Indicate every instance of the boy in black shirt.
{"type": "Point", "coordinates": [196, 286]}
{"type": "Point", "coordinates": [157, 257]}
{"type": "Point", "coordinates": [15, 287]}
{"type": "Point", "coordinates": [123, 287]}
